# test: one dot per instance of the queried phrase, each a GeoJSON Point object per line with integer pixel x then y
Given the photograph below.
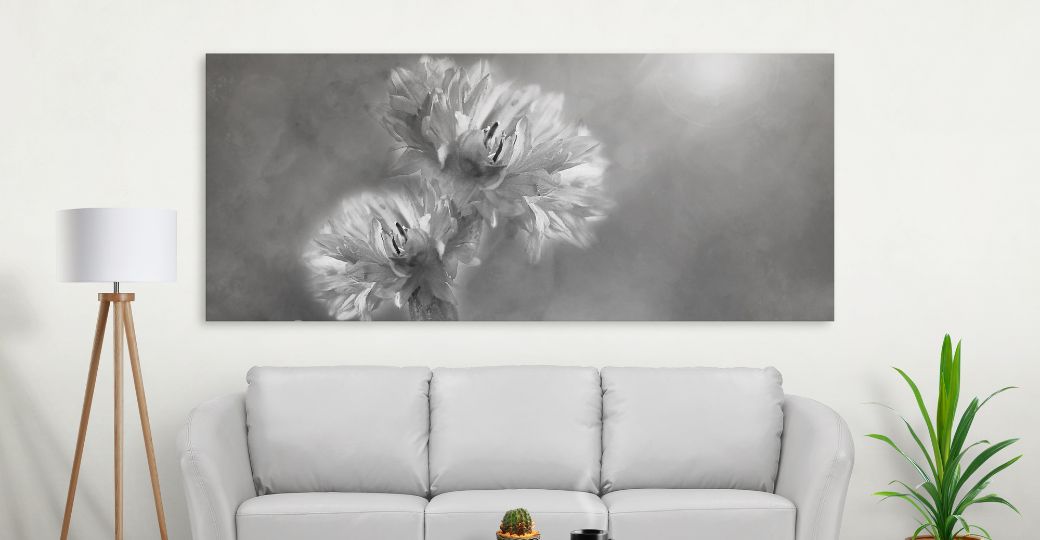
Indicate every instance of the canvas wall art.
{"type": "Point", "coordinates": [520, 187]}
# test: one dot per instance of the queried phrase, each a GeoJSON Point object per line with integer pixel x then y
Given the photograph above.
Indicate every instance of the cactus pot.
{"type": "Point", "coordinates": [532, 536]}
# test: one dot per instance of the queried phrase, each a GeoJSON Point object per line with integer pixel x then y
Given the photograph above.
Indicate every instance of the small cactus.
{"type": "Point", "coordinates": [517, 523]}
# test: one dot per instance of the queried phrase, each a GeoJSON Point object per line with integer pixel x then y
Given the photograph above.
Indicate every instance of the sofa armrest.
{"type": "Point", "coordinates": [215, 466]}
{"type": "Point", "coordinates": [816, 456]}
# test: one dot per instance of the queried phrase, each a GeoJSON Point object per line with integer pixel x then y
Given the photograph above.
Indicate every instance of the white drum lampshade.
{"type": "Point", "coordinates": [117, 245]}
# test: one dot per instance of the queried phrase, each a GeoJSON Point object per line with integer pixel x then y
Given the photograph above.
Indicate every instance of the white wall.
{"type": "Point", "coordinates": [936, 179]}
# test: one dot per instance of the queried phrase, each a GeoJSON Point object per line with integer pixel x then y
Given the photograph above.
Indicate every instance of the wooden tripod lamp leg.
{"type": "Point", "coordinates": [84, 419]}
{"type": "Point", "coordinates": [146, 426]}
{"type": "Point", "coordinates": [123, 321]}
{"type": "Point", "coordinates": [117, 376]}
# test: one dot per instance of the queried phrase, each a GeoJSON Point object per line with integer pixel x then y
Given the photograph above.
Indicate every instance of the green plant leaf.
{"type": "Point", "coordinates": [951, 480]}
{"type": "Point", "coordinates": [995, 499]}
{"type": "Point", "coordinates": [985, 533]}
{"type": "Point", "coordinates": [924, 413]}
{"type": "Point", "coordinates": [965, 528]}
{"type": "Point", "coordinates": [913, 434]}
{"type": "Point", "coordinates": [949, 524]}
{"type": "Point", "coordinates": [963, 427]}
{"type": "Point", "coordinates": [982, 483]}
{"type": "Point", "coordinates": [922, 528]}
{"type": "Point", "coordinates": [969, 497]}
{"type": "Point", "coordinates": [1001, 391]}
{"type": "Point", "coordinates": [906, 497]}
{"type": "Point", "coordinates": [945, 359]}
{"type": "Point", "coordinates": [889, 441]}
{"type": "Point", "coordinates": [949, 393]}
{"type": "Point", "coordinates": [981, 459]}
{"type": "Point", "coordinates": [924, 451]}
{"type": "Point", "coordinates": [954, 392]}
{"type": "Point", "coordinates": [955, 463]}
{"type": "Point", "coordinates": [911, 492]}
{"type": "Point", "coordinates": [933, 491]}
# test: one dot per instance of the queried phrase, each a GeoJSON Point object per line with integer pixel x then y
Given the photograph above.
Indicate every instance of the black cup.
{"type": "Point", "coordinates": [589, 534]}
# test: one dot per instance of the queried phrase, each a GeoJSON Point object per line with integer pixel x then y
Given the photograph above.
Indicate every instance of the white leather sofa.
{"type": "Point", "coordinates": [408, 453]}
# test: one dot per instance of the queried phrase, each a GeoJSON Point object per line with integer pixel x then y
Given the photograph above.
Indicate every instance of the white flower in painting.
{"type": "Point", "coordinates": [403, 244]}
{"type": "Point", "coordinates": [502, 151]}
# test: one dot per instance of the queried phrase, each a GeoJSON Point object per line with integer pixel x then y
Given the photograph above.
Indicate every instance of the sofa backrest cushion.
{"type": "Point", "coordinates": [696, 428]}
{"type": "Point", "coordinates": [339, 429]}
{"type": "Point", "coordinates": [534, 427]}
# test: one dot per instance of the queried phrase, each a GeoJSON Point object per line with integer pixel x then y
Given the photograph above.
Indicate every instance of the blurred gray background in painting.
{"type": "Point", "coordinates": [722, 167]}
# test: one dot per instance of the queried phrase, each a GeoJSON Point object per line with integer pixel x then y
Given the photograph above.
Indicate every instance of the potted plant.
{"type": "Point", "coordinates": [943, 493]}
{"type": "Point", "coordinates": [517, 524]}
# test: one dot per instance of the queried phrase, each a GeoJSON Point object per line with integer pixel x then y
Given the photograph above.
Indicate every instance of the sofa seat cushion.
{"type": "Point", "coordinates": [329, 516]}
{"type": "Point", "coordinates": [665, 514]}
{"type": "Point", "coordinates": [691, 428]}
{"type": "Point", "coordinates": [515, 427]}
{"type": "Point", "coordinates": [349, 429]}
{"type": "Point", "coordinates": [475, 515]}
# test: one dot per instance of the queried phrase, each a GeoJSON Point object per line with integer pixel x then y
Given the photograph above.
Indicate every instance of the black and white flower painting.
{"type": "Point", "coordinates": [519, 187]}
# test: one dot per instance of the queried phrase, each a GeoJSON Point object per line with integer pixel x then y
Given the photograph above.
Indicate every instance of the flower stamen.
{"type": "Point", "coordinates": [489, 132]}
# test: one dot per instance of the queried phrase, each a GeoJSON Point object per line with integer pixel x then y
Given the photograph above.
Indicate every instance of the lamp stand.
{"type": "Point", "coordinates": [123, 321]}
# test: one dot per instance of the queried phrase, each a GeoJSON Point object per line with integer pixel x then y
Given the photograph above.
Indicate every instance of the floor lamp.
{"type": "Point", "coordinates": [114, 245]}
